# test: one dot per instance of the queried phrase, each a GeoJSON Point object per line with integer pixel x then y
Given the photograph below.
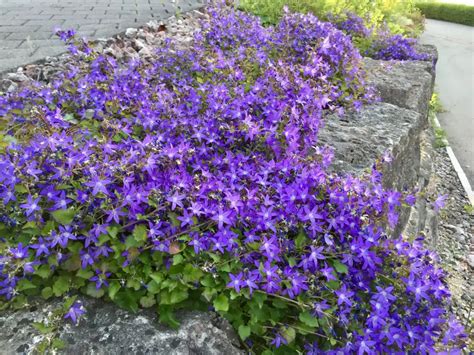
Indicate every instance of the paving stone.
{"type": "Point", "coordinates": [32, 35]}
{"type": "Point", "coordinates": [26, 26]}
{"type": "Point", "coordinates": [10, 44]}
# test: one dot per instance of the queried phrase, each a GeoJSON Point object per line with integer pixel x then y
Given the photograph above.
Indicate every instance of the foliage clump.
{"type": "Point", "coordinates": [376, 27]}
{"type": "Point", "coordinates": [400, 17]}
{"type": "Point", "coordinates": [377, 43]}
{"type": "Point", "coordinates": [456, 13]}
{"type": "Point", "coordinates": [196, 180]}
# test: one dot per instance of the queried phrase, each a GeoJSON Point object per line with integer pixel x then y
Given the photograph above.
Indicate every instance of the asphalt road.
{"type": "Point", "coordinates": [455, 85]}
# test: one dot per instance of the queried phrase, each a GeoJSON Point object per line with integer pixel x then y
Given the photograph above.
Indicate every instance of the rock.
{"type": "Point", "coordinates": [107, 329]}
{"type": "Point", "coordinates": [429, 50]}
{"type": "Point", "coordinates": [360, 138]}
{"type": "Point", "coordinates": [17, 77]}
{"type": "Point", "coordinates": [145, 52]}
{"type": "Point", "coordinates": [138, 45]}
{"type": "Point", "coordinates": [470, 260]}
{"type": "Point", "coordinates": [131, 32]}
{"type": "Point", "coordinates": [6, 85]}
{"type": "Point", "coordinates": [405, 84]}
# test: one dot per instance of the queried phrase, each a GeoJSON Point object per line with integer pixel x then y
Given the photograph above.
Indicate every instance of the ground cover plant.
{"type": "Point", "coordinates": [196, 180]}
{"type": "Point", "coordinates": [457, 13]}
{"type": "Point", "coordinates": [401, 17]}
{"type": "Point", "coordinates": [372, 25]}
{"type": "Point", "coordinates": [377, 43]}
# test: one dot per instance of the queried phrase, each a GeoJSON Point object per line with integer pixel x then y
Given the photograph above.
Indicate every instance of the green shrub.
{"type": "Point", "coordinates": [463, 14]}
{"type": "Point", "coordinates": [400, 16]}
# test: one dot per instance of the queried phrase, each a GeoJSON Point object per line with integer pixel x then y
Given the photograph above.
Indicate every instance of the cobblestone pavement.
{"type": "Point", "coordinates": [26, 26]}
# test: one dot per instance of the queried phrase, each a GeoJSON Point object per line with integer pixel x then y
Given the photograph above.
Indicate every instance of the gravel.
{"type": "Point", "coordinates": [134, 43]}
{"type": "Point", "coordinates": [455, 243]}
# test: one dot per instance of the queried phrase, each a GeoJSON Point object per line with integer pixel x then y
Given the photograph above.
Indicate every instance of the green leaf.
{"type": "Point", "coordinates": [127, 299]}
{"type": "Point", "coordinates": [339, 267]}
{"type": "Point", "coordinates": [333, 284]}
{"type": "Point", "coordinates": [221, 303]}
{"type": "Point", "coordinates": [244, 332]}
{"type": "Point", "coordinates": [147, 301]}
{"type": "Point", "coordinates": [140, 233]}
{"type": "Point", "coordinates": [208, 281]}
{"type": "Point", "coordinates": [61, 285]}
{"type": "Point", "coordinates": [153, 287]}
{"type": "Point", "coordinates": [260, 298]}
{"type": "Point", "coordinates": [94, 292]}
{"type": "Point", "coordinates": [157, 277]}
{"type": "Point", "coordinates": [69, 117]}
{"type": "Point", "coordinates": [167, 316]}
{"type": "Point", "coordinates": [25, 284]}
{"type": "Point", "coordinates": [174, 220]}
{"type": "Point", "coordinates": [42, 328]}
{"type": "Point", "coordinates": [58, 344]}
{"type": "Point", "coordinates": [68, 302]}
{"type": "Point", "coordinates": [103, 238]}
{"type": "Point", "coordinates": [289, 334]}
{"type": "Point", "coordinates": [178, 259]}
{"type": "Point", "coordinates": [308, 319]}
{"type": "Point", "coordinates": [64, 216]}
{"type": "Point", "coordinates": [131, 242]}
{"type": "Point", "coordinates": [301, 240]}
{"type": "Point", "coordinates": [47, 292]}
{"type": "Point", "coordinates": [84, 274]}
{"type": "Point", "coordinates": [21, 189]}
{"type": "Point", "coordinates": [178, 296]}
{"type": "Point", "coordinates": [113, 231]}
{"type": "Point", "coordinates": [113, 288]}
{"type": "Point", "coordinates": [191, 273]}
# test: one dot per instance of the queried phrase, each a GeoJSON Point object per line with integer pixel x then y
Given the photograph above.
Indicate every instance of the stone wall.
{"type": "Point", "coordinates": [398, 125]}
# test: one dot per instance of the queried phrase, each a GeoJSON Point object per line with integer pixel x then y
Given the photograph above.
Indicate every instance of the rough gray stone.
{"type": "Point", "coordinates": [107, 329]}
{"type": "Point", "coordinates": [470, 260]}
{"type": "Point", "coordinates": [405, 84]}
{"type": "Point", "coordinates": [361, 138]}
{"type": "Point", "coordinates": [131, 32]}
{"type": "Point", "coordinates": [422, 219]}
{"type": "Point", "coordinates": [430, 50]}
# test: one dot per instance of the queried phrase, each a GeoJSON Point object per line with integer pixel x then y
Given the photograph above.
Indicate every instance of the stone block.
{"type": "Point", "coordinates": [405, 84]}
{"type": "Point", "coordinates": [107, 329]}
{"type": "Point", "coordinates": [361, 138]}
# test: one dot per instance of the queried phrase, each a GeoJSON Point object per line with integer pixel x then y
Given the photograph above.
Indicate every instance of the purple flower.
{"type": "Point", "coordinates": [440, 202]}
{"type": "Point", "coordinates": [175, 200]}
{"type": "Point", "coordinates": [236, 281]}
{"type": "Point", "coordinates": [320, 308]}
{"type": "Point", "coordinates": [100, 278]}
{"type": "Point", "coordinates": [454, 332]}
{"type": "Point", "coordinates": [20, 252]}
{"type": "Point", "coordinates": [75, 312]}
{"type": "Point", "coordinates": [86, 259]}
{"type": "Point", "coordinates": [98, 185]}
{"type": "Point", "coordinates": [365, 347]}
{"type": "Point", "coordinates": [344, 296]}
{"type": "Point", "coordinates": [222, 218]}
{"type": "Point", "coordinates": [278, 340]}
{"type": "Point", "coordinates": [41, 247]}
{"type": "Point", "coordinates": [31, 206]}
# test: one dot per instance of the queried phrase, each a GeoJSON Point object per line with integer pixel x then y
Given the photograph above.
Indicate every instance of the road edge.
{"type": "Point", "coordinates": [457, 166]}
